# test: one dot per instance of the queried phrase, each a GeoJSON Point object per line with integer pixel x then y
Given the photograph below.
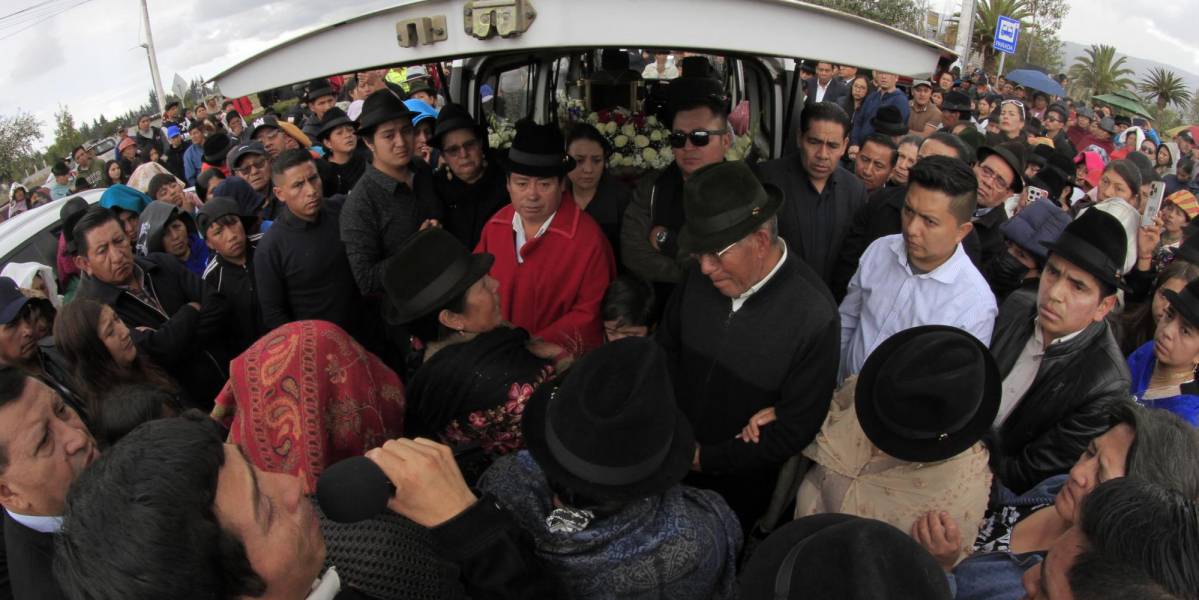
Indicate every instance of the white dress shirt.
{"type": "Point", "coordinates": [821, 90]}
{"type": "Point", "coordinates": [1024, 372]}
{"type": "Point", "coordinates": [519, 227]}
{"type": "Point", "coordinates": [740, 300]}
{"type": "Point", "coordinates": [38, 523]}
{"type": "Point", "coordinates": [886, 297]}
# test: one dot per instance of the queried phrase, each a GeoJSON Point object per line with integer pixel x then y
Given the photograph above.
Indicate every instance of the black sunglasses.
{"type": "Point", "coordinates": [699, 137]}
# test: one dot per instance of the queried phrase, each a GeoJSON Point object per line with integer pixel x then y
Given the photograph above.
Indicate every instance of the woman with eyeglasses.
{"type": "Point", "coordinates": [597, 192]}
{"type": "Point", "coordinates": [1012, 118]}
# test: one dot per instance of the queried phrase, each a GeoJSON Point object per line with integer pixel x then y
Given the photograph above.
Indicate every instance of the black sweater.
{"type": "Point", "coordinates": [780, 349]}
{"type": "Point", "coordinates": [232, 314]}
{"type": "Point", "coordinates": [468, 206]}
{"type": "Point", "coordinates": [302, 272]}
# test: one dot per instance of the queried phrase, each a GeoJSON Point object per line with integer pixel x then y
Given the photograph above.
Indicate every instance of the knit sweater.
{"type": "Point", "coordinates": [380, 214]}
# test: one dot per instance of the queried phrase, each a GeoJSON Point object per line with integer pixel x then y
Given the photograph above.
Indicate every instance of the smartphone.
{"type": "Point", "coordinates": [1036, 193]}
{"type": "Point", "coordinates": [1157, 189]}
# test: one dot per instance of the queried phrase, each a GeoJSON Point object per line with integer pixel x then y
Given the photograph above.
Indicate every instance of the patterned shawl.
{"type": "Point", "coordinates": [307, 395]}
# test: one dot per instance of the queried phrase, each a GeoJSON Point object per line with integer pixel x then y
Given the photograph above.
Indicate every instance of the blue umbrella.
{"type": "Point", "coordinates": [1036, 80]}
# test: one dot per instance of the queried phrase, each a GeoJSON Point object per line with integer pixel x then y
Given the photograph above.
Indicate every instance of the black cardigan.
{"type": "Point", "coordinates": [780, 349]}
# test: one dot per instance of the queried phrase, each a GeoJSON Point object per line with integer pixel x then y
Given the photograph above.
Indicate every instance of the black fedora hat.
{"type": "Point", "coordinates": [381, 107]}
{"type": "Point", "coordinates": [889, 121]}
{"type": "Point", "coordinates": [1096, 243]}
{"type": "Point", "coordinates": [538, 151]}
{"type": "Point", "coordinates": [430, 269]}
{"type": "Point", "coordinates": [927, 393]}
{"type": "Point", "coordinates": [1186, 302]}
{"type": "Point", "coordinates": [317, 88]}
{"type": "Point", "coordinates": [70, 213]}
{"type": "Point", "coordinates": [610, 429]}
{"type": "Point", "coordinates": [334, 118]}
{"type": "Point", "coordinates": [453, 117]}
{"type": "Point", "coordinates": [724, 202]}
{"type": "Point", "coordinates": [841, 557]}
{"type": "Point", "coordinates": [1013, 160]}
{"type": "Point", "coordinates": [956, 101]}
{"type": "Point", "coordinates": [216, 148]}
{"type": "Point", "coordinates": [686, 93]}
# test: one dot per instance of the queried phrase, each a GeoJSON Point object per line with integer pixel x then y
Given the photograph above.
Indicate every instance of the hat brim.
{"type": "Point", "coordinates": [1063, 247]}
{"type": "Point", "coordinates": [760, 573]}
{"type": "Point", "coordinates": [1010, 159]}
{"type": "Point", "coordinates": [674, 467]}
{"type": "Point", "coordinates": [454, 124]}
{"type": "Point", "coordinates": [327, 128]}
{"type": "Point", "coordinates": [567, 165]}
{"type": "Point", "coordinates": [1188, 312]}
{"type": "Point", "coordinates": [932, 450]}
{"type": "Point", "coordinates": [891, 129]}
{"type": "Point", "coordinates": [480, 265]}
{"type": "Point", "coordinates": [367, 122]}
{"type": "Point", "coordinates": [690, 242]}
{"type": "Point", "coordinates": [317, 93]}
{"type": "Point", "coordinates": [222, 153]}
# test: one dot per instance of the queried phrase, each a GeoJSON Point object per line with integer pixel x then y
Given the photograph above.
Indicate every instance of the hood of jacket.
{"type": "Point", "coordinates": [153, 226]}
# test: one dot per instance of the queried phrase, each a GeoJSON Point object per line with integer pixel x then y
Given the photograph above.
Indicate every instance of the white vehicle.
{"type": "Point", "coordinates": [550, 47]}
{"type": "Point", "coordinates": [32, 236]}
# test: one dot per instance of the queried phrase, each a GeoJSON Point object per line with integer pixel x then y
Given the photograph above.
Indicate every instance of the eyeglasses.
{"type": "Point", "coordinates": [993, 176]}
{"type": "Point", "coordinates": [250, 166]}
{"type": "Point", "coordinates": [1017, 104]}
{"type": "Point", "coordinates": [1049, 119]}
{"type": "Point", "coordinates": [716, 256]}
{"type": "Point", "coordinates": [467, 146]}
{"type": "Point", "coordinates": [699, 138]}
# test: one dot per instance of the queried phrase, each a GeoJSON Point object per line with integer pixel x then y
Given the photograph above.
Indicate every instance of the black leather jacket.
{"type": "Point", "coordinates": [1068, 403]}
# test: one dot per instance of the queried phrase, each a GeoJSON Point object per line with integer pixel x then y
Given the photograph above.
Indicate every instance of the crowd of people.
{"type": "Point", "coordinates": [942, 349]}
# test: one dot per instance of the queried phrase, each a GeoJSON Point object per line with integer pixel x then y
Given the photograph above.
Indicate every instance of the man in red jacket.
{"type": "Point", "coordinates": [552, 260]}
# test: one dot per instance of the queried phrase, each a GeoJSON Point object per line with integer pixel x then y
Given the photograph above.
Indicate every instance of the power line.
{"type": "Point", "coordinates": [43, 19]}
{"type": "Point", "coordinates": [31, 14]}
{"type": "Point", "coordinates": [28, 8]}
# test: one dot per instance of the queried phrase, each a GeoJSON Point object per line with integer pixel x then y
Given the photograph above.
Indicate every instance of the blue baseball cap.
{"type": "Point", "coordinates": [11, 300]}
{"type": "Point", "coordinates": [172, 131]}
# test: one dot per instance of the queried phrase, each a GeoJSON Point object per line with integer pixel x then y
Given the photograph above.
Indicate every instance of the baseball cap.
{"type": "Point", "coordinates": [11, 300]}
{"type": "Point", "coordinates": [241, 150]}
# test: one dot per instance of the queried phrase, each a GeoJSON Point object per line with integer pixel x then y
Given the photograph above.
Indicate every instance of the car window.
{"type": "Point", "coordinates": [41, 248]}
{"type": "Point", "coordinates": [512, 92]}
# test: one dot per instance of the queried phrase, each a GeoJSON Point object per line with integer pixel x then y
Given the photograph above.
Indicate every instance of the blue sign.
{"type": "Point", "coordinates": [1007, 34]}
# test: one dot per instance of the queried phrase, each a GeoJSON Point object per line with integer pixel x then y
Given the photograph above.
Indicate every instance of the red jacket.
{"type": "Point", "coordinates": [556, 292]}
{"type": "Point", "coordinates": [1081, 138]}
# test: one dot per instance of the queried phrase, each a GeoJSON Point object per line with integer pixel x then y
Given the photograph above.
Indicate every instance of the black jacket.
{"type": "Point", "coordinates": [658, 202]}
{"type": "Point", "coordinates": [173, 340]}
{"type": "Point", "coordinates": [30, 557]}
{"type": "Point", "coordinates": [57, 374]}
{"type": "Point", "coordinates": [1067, 405]}
{"type": "Point", "coordinates": [836, 90]}
{"type": "Point", "coordinates": [468, 207]}
{"type": "Point", "coordinates": [495, 557]}
{"type": "Point", "coordinates": [173, 159]}
{"type": "Point", "coordinates": [232, 315]}
{"type": "Point", "coordinates": [302, 272]}
{"type": "Point", "coordinates": [814, 223]}
{"type": "Point", "coordinates": [608, 206]}
{"type": "Point", "coordinates": [380, 214]}
{"type": "Point", "coordinates": [990, 238]}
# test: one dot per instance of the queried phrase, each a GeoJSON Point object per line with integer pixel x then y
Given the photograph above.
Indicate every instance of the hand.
{"type": "Point", "coordinates": [695, 460]}
{"type": "Point", "coordinates": [852, 153]}
{"type": "Point", "coordinates": [543, 349]}
{"type": "Point", "coordinates": [430, 489]}
{"type": "Point", "coordinates": [939, 534]}
{"type": "Point", "coordinates": [1148, 238]}
{"type": "Point", "coordinates": [653, 236]}
{"type": "Point", "coordinates": [430, 223]}
{"type": "Point", "coordinates": [195, 305]}
{"type": "Point", "coordinates": [752, 432]}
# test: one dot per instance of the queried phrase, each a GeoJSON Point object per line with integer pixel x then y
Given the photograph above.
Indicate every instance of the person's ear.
{"type": "Point", "coordinates": [13, 501]}
{"type": "Point", "coordinates": [81, 264]}
{"type": "Point", "coordinates": [964, 230]}
{"type": "Point", "coordinates": [1105, 306]}
{"type": "Point", "coordinates": [451, 320]}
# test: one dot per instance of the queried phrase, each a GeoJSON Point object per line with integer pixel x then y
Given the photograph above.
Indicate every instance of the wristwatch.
{"type": "Point", "coordinates": [661, 237]}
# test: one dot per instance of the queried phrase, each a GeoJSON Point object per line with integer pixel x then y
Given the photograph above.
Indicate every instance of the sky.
{"type": "Point", "coordinates": [87, 56]}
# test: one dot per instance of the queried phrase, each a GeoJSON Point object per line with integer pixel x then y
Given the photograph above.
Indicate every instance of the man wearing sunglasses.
{"type": "Point", "coordinates": [700, 135]}
{"type": "Point", "coordinates": [1055, 129]}
{"type": "Point", "coordinates": [751, 332]}
{"type": "Point", "coordinates": [822, 196]}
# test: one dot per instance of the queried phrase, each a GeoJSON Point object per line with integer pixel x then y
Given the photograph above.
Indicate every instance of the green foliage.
{"type": "Point", "coordinates": [907, 15]}
{"type": "Point", "coordinates": [18, 134]}
{"type": "Point", "coordinates": [986, 20]}
{"type": "Point", "coordinates": [1099, 72]}
{"type": "Point", "coordinates": [1165, 88]}
{"type": "Point", "coordinates": [66, 136]}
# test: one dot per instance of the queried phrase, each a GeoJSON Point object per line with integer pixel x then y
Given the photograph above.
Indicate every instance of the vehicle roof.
{"type": "Point", "coordinates": [20, 228]}
{"type": "Point", "coordinates": [785, 28]}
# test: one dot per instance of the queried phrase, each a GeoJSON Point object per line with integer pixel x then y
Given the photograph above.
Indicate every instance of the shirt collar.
{"type": "Point", "coordinates": [947, 272]}
{"type": "Point", "coordinates": [387, 182]}
{"type": "Point", "coordinates": [326, 587]}
{"type": "Point", "coordinates": [519, 227]}
{"type": "Point", "coordinates": [1040, 339]}
{"type": "Point", "coordinates": [38, 523]}
{"type": "Point", "coordinates": [753, 289]}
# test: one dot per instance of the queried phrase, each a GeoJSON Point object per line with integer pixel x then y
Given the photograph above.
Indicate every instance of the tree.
{"type": "Point", "coordinates": [66, 136]}
{"type": "Point", "coordinates": [18, 134]}
{"type": "Point", "coordinates": [1193, 113]}
{"type": "Point", "coordinates": [986, 21]}
{"type": "Point", "coordinates": [1166, 88]}
{"type": "Point", "coordinates": [1099, 72]}
{"type": "Point", "coordinates": [907, 15]}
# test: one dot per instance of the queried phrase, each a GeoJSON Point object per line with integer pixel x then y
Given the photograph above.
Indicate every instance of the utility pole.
{"type": "Point", "coordinates": [153, 57]}
{"type": "Point", "coordinates": [965, 33]}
